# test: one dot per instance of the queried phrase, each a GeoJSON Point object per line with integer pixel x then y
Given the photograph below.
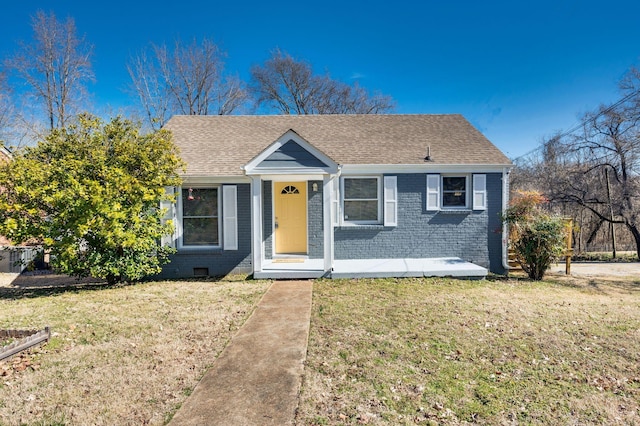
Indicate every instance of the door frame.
{"type": "Point", "coordinates": [274, 253]}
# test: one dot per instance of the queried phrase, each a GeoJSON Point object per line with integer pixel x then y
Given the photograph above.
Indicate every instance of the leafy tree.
{"type": "Point", "coordinates": [56, 66]}
{"type": "Point", "coordinates": [188, 79]}
{"type": "Point", "coordinates": [536, 237]}
{"type": "Point", "coordinates": [289, 86]}
{"type": "Point", "coordinates": [90, 195]}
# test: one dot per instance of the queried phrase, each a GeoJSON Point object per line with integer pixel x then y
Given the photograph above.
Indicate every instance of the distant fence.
{"type": "Point", "coordinates": [15, 259]}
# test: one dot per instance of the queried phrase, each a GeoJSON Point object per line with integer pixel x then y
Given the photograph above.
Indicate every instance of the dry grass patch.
{"type": "Point", "coordinates": [440, 351]}
{"type": "Point", "coordinates": [126, 355]}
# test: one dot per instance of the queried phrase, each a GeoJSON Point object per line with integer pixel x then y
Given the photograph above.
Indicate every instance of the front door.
{"type": "Point", "coordinates": [290, 221]}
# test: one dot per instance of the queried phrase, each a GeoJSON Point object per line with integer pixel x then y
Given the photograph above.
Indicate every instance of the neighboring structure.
{"type": "Point", "coordinates": [304, 196]}
{"type": "Point", "coordinates": [12, 259]}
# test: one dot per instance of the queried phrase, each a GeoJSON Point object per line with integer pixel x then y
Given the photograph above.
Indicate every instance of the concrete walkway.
{"type": "Point", "coordinates": [256, 379]}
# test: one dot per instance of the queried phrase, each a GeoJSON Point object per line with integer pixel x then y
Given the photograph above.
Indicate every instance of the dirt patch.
{"type": "Point", "coordinates": [43, 280]}
{"type": "Point", "coordinates": [604, 270]}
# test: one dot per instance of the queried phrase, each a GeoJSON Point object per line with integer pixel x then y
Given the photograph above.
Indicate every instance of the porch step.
{"type": "Point", "coordinates": [513, 264]}
{"type": "Point", "coordinates": [286, 274]}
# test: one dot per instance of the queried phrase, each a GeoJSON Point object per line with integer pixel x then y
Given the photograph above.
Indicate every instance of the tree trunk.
{"type": "Point", "coordinates": [636, 236]}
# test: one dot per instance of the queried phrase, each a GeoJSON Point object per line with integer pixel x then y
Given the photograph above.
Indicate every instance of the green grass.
{"type": "Point", "coordinates": [386, 352]}
{"type": "Point", "coordinates": [118, 355]}
{"type": "Point", "coordinates": [481, 352]}
{"type": "Point", "coordinates": [602, 256]}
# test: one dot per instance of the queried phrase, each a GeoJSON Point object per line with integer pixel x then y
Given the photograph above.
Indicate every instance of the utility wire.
{"type": "Point", "coordinates": [583, 122]}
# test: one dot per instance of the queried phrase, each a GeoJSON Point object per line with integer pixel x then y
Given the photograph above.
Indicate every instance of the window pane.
{"type": "Point", "coordinates": [453, 199]}
{"type": "Point", "coordinates": [361, 188]}
{"type": "Point", "coordinates": [200, 202]}
{"type": "Point", "coordinates": [200, 232]}
{"type": "Point", "coordinates": [361, 210]}
{"type": "Point", "coordinates": [454, 191]}
{"type": "Point", "coordinates": [454, 183]}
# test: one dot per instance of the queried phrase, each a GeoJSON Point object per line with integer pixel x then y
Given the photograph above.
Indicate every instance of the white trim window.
{"type": "Point", "coordinates": [199, 219]}
{"type": "Point", "coordinates": [455, 192]}
{"type": "Point", "coordinates": [361, 200]}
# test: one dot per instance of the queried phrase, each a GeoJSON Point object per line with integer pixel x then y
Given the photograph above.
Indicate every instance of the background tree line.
{"type": "Point", "coordinates": [590, 173]}
{"type": "Point", "coordinates": [45, 83]}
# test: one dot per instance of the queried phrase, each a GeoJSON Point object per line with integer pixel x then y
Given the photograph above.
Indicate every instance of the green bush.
{"type": "Point", "coordinates": [537, 238]}
{"type": "Point", "coordinates": [90, 195]}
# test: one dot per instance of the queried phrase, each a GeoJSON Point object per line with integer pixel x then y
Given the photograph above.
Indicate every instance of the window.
{"type": "Point", "coordinates": [451, 192]}
{"type": "Point", "coordinates": [361, 200]}
{"type": "Point", "coordinates": [200, 217]}
{"type": "Point", "coordinates": [454, 192]}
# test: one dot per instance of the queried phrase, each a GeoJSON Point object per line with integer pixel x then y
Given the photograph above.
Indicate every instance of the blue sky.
{"type": "Point", "coordinates": [519, 71]}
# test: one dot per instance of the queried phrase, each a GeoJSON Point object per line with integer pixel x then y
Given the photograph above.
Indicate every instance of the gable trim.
{"type": "Point", "coordinates": [420, 168]}
{"type": "Point", "coordinates": [252, 167]}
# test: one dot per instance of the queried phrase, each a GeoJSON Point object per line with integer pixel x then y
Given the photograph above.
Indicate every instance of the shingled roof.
{"type": "Point", "coordinates": [216, 145]}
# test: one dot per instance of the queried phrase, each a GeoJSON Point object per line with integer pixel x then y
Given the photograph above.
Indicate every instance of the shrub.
{"type": "Point", "coordinates": [90, 195]}
{"type": "Point", "coordinates": [537, 238]}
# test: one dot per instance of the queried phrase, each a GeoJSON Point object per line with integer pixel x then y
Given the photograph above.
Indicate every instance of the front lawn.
{"type": "Point", "coordinates": [440, 351]}
{"type": "Point", "coordinates": [119, 356]}
{"type": "Point", "coordinates": [385, 352]}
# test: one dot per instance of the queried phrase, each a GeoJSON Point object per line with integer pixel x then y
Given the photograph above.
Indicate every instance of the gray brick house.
{"type": "Point", "coordinates": [337, 196]}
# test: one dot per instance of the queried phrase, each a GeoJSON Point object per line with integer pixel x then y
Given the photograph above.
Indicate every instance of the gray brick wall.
{"type": "Point", "coordinates": [218, 261]}
{"type": "Point", "coordinates": [474, 235]}
{"type": "Point", "coordinates": [469, 235]}
{"type": "Point", "coordinates": [494, 231]}
{"type": "Point", "coordinates": [314, 218]}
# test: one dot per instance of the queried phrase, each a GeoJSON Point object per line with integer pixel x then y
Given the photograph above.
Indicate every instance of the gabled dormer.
{"type": "Point", "coordinates": [291, 154]}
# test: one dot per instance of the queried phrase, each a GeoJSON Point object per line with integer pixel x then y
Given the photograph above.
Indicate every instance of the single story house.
{"type": "Point", "coordinates": [303, 196]}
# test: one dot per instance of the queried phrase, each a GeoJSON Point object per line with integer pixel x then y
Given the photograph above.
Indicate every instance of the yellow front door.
{"type": "Point", "coordinates": [290, 217]}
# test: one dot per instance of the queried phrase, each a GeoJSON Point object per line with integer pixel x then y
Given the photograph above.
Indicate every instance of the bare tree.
{"type": "Point", "coordinates": [6, 108]}
{"type": "Point", "coordinates": [289, 86]}
{"type": "Point", "coordinates": [598, 167]}
{"type": "Point", "coordinates": [56, 66]}
{"type": "Point", "coordinates": [188, 79]}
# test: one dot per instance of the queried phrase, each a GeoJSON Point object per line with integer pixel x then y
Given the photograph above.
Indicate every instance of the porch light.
{"type": "Point", "coordinates": [314, 186]}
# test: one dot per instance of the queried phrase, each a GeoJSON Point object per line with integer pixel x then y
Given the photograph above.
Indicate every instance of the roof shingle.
{"type": "Point", "coordinates": [221, 145]}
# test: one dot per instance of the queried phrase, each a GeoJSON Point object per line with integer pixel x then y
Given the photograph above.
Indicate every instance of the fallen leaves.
{"type": "Point", "coordinates": [20, 362]}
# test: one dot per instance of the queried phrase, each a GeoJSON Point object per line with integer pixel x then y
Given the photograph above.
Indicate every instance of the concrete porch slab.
{"type": "Point", "coordinates": [385, 268]}
{"type": "Point", "coordinates": [373, 268]}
